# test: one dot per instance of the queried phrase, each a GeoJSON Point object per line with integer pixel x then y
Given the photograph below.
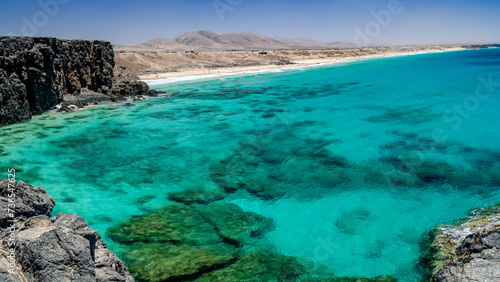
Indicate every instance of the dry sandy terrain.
{"type": "Point", "coordinates": [149, 66]}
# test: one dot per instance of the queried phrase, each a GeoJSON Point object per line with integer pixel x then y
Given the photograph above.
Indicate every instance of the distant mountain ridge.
{"type": "Point", "coordinates": [203, 40]}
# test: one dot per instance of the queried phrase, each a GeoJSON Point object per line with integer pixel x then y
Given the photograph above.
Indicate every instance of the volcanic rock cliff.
{"type": "Point", "coordinates": [38, 248]}
{"type": "Point", "coordinates": [35, 73]}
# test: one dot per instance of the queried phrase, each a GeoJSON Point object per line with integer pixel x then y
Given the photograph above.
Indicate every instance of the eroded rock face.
{"type": "Point", "coordinates": [36, 71]}
{"type": "Point", "coordinates": [62, 248]}
{"type": "Point", "coordinates": [51, 254]}
{"type": "Point", "coordinates": [478, 259]}
{"type": "Point", "coordinates": [468, 250]}
{"type": "Point", "coordinates": [88, 65]}
{"type": "Point", "coordinates": [30, 201]}
{"type": "Point", "coordinates": [14, 106]}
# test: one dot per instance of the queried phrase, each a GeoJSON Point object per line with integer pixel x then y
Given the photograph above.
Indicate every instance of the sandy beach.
{"type": "Point", "coordinates": [298, 61]}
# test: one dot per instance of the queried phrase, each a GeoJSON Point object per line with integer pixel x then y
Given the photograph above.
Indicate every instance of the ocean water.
{"type": "Point", "coordinates": [353, 161]}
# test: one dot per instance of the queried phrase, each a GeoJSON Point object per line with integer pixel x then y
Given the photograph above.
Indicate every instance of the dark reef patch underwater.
{"type": "Point", "coordinates": [320, 174]}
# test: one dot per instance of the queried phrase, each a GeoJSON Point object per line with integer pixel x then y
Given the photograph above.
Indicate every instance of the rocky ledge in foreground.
{"type": "Point", "coordinates": [468, 250]}
{"type": "Point", "coordinates": [61, 248]}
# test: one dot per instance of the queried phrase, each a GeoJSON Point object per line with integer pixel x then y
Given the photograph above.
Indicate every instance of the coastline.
{"type": "Point", "coordinates": [202, 73]}
{"type": "Point", "coordinates": [116, 266]}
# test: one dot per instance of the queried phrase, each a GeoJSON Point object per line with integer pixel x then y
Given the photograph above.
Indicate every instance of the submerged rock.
{"type": "Point", "coordinates": [384, 278]}
{"type": "Point", "coordinates": [182, 242]}
{"type": "Point", "coordinates": [275, 164]}
{"type": "Point", "coordinates": [173, 223]}
{"type": "Point", "coordinates": [196, 225]}
{"type": "Point", "coordinates": [259, 266]}
{"type": "Point", "coordinates": [233, 223]}
{"type": "Point", "coordinates": [197, 195]}
{"type": "Point", "coordinates": [63, 248]}
{"type": "Point", "coordinates": [468, 250]}
{"type": "Point", "coordinates": [168, 262]}
{"type": "Point", "coordinates": [350, 222]}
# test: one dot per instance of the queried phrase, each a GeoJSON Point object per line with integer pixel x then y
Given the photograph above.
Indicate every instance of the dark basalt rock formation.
{"type": "Point", "coordinates": [35, 73]}
{"type": "Point", "coordinates": [130, 88]}
{"type": "Point", "coordinates": [468, 250]}
{"type": "Point", "coordinates": [62, 248]}
{"type": "Point", "coordinates": [14, 106]}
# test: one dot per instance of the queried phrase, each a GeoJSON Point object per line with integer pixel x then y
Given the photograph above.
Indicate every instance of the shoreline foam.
{"type": "Point", "coordinates": [199, 74]}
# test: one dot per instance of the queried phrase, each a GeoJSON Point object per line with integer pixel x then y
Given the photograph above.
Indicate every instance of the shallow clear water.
{"type": "Point", "coordinates": [354, 161]}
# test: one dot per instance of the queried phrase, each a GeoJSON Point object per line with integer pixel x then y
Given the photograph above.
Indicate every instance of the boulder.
{"type": "Point", "coordinates": [62, 248]}
{"type": "Point", "coordinates": [30, 201]}
{"type": "Point", "coordinates": [129, 89]}
{"type": "Point", "coordinates": [52, 254]}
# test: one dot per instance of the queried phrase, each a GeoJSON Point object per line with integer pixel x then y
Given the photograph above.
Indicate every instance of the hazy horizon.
{"type": "Point", "coordinates": [388, 22]}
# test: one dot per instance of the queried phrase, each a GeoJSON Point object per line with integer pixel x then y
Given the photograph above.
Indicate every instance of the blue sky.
{"type": "Point", "coordinates": [127, 21]}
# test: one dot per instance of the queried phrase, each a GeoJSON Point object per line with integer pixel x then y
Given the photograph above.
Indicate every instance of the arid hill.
{"type": "Point", "coordinates": [210, 41]}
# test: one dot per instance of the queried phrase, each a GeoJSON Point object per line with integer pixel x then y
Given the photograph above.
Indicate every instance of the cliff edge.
{"type": "Point", "coordinates": [36, 247]}
{"type": "Point", "coordinates": [36, 73]}
{"type": "Point", "coordinates": [468, 250]}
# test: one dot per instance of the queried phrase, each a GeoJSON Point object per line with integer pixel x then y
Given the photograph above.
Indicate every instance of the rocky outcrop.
{"type": "Point", "coordinates": [29, 202]}
{"type": "Point", "coordinates": [479, 255]}
{"type": "Point", "coordinates": [62, 248]}
{"type": "Point", "coordinates": [35, 72]}
{"type": "Point", "coordinates": [468, 250]}
{"type": "Point", "coordinates": [130, 88]}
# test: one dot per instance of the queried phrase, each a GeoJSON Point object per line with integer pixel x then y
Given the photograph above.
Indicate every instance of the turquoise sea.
{"type": "Point", "coordinates": [353, 161]}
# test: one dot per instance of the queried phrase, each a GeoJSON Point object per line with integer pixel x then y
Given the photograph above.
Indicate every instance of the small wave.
{"type": "Point", "coordinates": [172, 80]}
{"type": "Point", "coordinates": [189, 78]}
